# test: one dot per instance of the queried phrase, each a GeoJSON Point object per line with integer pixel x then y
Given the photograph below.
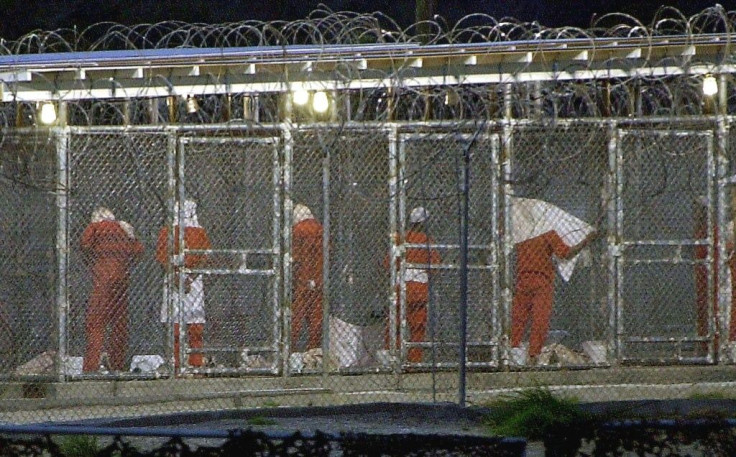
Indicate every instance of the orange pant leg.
{"type": "Point", "coordinates": [701, 299]}
{"type": "Point", "coordinates": [176, 346]}
{"type": "Point", "coordinates": [95, 324]}
{"type": "Point", "coordinates": [417, 295]}
{"type": "Point", "coordinates": [195, 332]}
{"type": "Point", "coordinates": [195, 337]}
{"type": "Point", "coordinates": [533, 298]}
{"type": "Point", "coordinates": [307, 305]}
{"type": "Point", "coordinates": [118, 339]}
{"type": "Point", "coordinates": [520, 311]}
{"type": "Point", "coordinates": [732, 317]}
{"type": "Point", "coordinates": [541, 313]}
{"type": "Point", "coordinates": [417, 322]}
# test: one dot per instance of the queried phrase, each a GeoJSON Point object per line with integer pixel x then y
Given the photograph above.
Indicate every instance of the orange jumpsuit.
{"type": "Point", "coordinates": [701, 285]}
{"type": "Point", "coordinates": [111, 252]}
{"type": "Point", "coordinates": [195, 238]}
{"type": "Point", "coordinates": [306, 249]}
{"type": "Point", "coordinates": [534, 289]}
{"type": "Point", "coordinates": [701, 280]}
{"type": "Point", "coordinates": [732, 320]}
{"type": "Point", "coordinates": [417, 293]}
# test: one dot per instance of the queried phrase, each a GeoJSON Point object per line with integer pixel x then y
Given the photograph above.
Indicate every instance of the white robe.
{"type": "Point", "coordinates": [191, 310]}
{"type": "Point", "coordinates": [531, 218]}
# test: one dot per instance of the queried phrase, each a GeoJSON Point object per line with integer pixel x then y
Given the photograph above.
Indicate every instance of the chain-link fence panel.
{"type": "Point", "coordinates": [557, 195]}
{"type": "Point", "coordinates": [666, 227]}
{"type": "Point", "coordinates": [234, 183]}
{"type": "Point", "coordinates": [725, 215]}
{"type": "Point", "coordinates": [431, 173]}
{"type": "Point", "coordinates": [342, 175]}
{"type": "Point", "coordinates": [28, 258]}
{"type": "Point", "coordinates": [116, 205]}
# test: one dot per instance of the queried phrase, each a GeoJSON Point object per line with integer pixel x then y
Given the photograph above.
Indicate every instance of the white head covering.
{"type": "Point", "coordinates": [127, 228]}
{"type": "Point", "coordinates": [418, 215]}
{"type": "Point", "coordinates": [102, 214]}
{"type": "Point", "coordinates": [190, 213]}
{"type": "Point", "coordinates": [302, 213]}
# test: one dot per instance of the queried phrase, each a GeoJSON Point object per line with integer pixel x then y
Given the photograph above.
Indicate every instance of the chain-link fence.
{"type": "Point", "coordinates": [394, 242]}
{"type": "Point", "coordinates": [99, 279]}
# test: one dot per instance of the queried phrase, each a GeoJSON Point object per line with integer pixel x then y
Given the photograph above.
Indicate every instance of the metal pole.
{"type": "Point", "coordinates": [61, 136]}
{"type": "Point", "coordinates": [326, 224]}
{"type": "Point", "coordinates": [464, 271]}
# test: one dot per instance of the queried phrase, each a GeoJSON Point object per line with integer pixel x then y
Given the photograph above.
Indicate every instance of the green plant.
{"type": "Point", "coordinates": [78, 446]}
{"type": "Point", "coordinates": [710, 396]}
{"type": "Point", "coordinates": [260, 420]}
{"type": "Point", "coordinates": [271, 404]}
{"type": "Point", "coordinates": [531, 413]}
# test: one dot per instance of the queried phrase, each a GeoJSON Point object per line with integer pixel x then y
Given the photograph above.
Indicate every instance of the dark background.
{"type": "Point", "coordinates": [18, 17]}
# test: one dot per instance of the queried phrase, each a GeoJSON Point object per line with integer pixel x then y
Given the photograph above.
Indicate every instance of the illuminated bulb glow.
{"type": "Point", "coordinates": [300, 97]}
{"type": "Point", "coordinates": [710, 86]}
{"type": "Point", "coordinates": [192, 105]}
{"type": "Point", "coordinates": [48, 113]}
{"type": "Point", "coordinates": [320, 102]}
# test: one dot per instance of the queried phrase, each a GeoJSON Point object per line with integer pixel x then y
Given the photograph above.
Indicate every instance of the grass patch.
{"type": "Point", "coordinates": [710, 396]}
{"type": "Point", "coordinates": [78, 445]}
{"type": "Point", "coordinates": [260, 420]}
{"type": "Point", "coordinates": [531, 412]}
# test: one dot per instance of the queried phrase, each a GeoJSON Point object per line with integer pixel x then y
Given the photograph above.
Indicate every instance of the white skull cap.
{"type": "Point", "coordinates": [302, 213]}
{"type": "Point", "coordinates": [102, 214]}
{"type": "Point", "coordinates": [418, 215]}
{"type": "Point", "coordinates": [127, 228]}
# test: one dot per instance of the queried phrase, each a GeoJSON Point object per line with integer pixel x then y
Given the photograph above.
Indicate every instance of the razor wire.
{"type": "Point", "coordinates": [624, 154]}
{"type": "Point", "coordinates": [609, 97]}
{"type": "Point", "coordinates": [326, 27]}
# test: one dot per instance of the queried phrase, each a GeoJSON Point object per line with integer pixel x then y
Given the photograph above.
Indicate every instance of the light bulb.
{"type": "Point", "coordinates": [48, 113]}
{"type": "Point", "coordinates": [710, 86]}
{"type": "Point", "coordinates": [300, 97]}
{"type": "Point", "coordinates": [320, 102]}
{"type": "Point", "coordinates": [192, 105]}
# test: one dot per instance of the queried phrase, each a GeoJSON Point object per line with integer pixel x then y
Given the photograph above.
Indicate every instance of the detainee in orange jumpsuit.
{"type": "Point", "coordinates": [534, 287]}
{"type": "Point", "coordinates": [110, 247]}
{"type": "Point", "coordinates": [417, 283]}
{"type": "Point", "coordinates": [307, 258]}
{"type": "Point", "coordinates": [701, 277]}
{"type": "Point", "coordinates": [189, 305]}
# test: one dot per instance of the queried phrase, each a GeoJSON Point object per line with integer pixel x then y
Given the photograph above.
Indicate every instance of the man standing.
{"type": "Point", "coordinates": [189, 304]}
{"type": "Point", "coordinates": [541, 232]}
{"type": "Point", "coordinates": [419, 260]}
{"type": "Point", "coordinates": [110, 247]}
{"type": "Point", "coordinates": [307, 258]}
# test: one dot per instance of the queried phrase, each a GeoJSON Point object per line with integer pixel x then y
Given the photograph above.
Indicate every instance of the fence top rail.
{"type": "Point", "coordinates": [127, 74]}
{"type": "Point", "coordinates": [351, 52]}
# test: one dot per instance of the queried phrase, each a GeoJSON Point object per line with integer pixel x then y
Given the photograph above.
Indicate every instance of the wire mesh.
{"type": "Point", "coordinates": [646, 162]}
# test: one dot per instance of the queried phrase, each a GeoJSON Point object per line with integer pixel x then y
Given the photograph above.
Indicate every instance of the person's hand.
{"type": "Point", "coordinates": [188, 284]}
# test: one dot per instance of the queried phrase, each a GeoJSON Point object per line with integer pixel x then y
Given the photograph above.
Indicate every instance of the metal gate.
{"type": "Point", "coordinates": [342, 176]}
{"type": "Point", "coordinates": [664, 255]}
{"type": "Point", "coordinates": [235, 183]}
{"type": "Point", "coordinates": [430, 167]}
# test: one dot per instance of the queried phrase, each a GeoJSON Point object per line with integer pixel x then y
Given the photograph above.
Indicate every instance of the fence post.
{"type": "Point", "coordinates": [464, 198]}
{"type": "Point", "coordinates": [62, 244]}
